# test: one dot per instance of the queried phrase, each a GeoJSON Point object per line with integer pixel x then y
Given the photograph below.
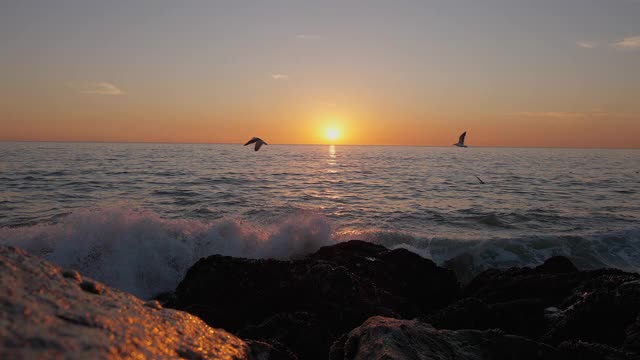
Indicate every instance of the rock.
{"type": "Point", "coordinates": [424, 285]}
{"type": "Point", "coordinates": [464, 266]}
{"type": "Point", "coordinates": [337, 288]}
{"type": "Point", "coordinates": [557, 265]}
{"type": "Point", "coordinates": [303, 333]}
{"type": "Point", "coordinates": [273, 350]}
{"type": "Point", "coordinates": [580, 350]}
{"type": "Point", "coordinates": [389, 339]}
{"type": "Point", "coordinates": [468, 313]}
{"type": "Point", "coordinates": [632, 336]}
{"type": "Point", "coordinates": [92, 287]}
{"type": "Point", "coordinates": [522, 317]}
{"type": "Point", "coordinates": [154, 304]}
{"type": "Point", "coordinates": [550, 282]}
{"type": "Point", "coordinates": [73, 275]}
{"type": "Point", "coordinates": [44, 315]}
{"type": "Point", "coordinates": [553, 302]}
{"type": "Point", "coordinates": [601, 311]}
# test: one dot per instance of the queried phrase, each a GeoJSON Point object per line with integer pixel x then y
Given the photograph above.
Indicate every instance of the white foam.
{"type": "Point", "coordinates": [140, 252]}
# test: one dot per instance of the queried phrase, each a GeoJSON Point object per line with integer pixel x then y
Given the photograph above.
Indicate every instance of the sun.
{"type": "Point", "coordinates": [332, 134]}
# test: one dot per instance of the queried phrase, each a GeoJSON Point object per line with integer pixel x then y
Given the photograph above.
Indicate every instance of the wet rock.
{"type": "Point", "coordinates": [340, 286]}
{"type": "Point", "coordinates": [44, 315]}
{"type": "Point", "coordinates": [92, 287]}
{"type": "Point", "coordinates": [600, 311]}
{"type": "Point", "coordinates": [73, 275]}
{"type": "Point", "coordinates": [424, 285]}
{"type": "Point", "coordinates": [154, 304]}
{"type": "Point", "coordinates": [389, 339]}
{"type": "Point", "coordinates": [580, 350]}
{"type": "Point", "coordinates": [303, 333]}
{"type": "Point", "coordinates": [557, 265]}
{"type": "Point", "coordinates": [468, 313]}
{"type": "Point", "coordinates": [523, 317]}
{"type": "Point", "coordinates": [261, 350]}
{"type": "Point", "coordinates": [551, 282]}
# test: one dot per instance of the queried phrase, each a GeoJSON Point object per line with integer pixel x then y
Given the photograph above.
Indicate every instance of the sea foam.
{"type": "Point", "coordinates": [140, 252]}
{"type": "Point", "coordinates": [143, 253]}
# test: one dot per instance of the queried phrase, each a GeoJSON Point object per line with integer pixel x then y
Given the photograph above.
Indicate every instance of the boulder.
{"type": "Point", "coordinates": [420, 282]}
{"type": "Point", "coordinates": [390, 339]}
{"type": "Point", "coordinates": [601, 311]}
{"type": "Point", "coordinates": [337, 288]}
{"type": "Point", "coordinates": [47, 312]}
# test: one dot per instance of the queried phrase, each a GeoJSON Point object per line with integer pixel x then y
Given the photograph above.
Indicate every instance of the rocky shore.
{"type": "Point", "coordinates": [353, 300]}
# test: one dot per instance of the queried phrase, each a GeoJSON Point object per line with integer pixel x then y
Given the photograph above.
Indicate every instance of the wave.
{"type": "Point", "coordinates": [468, 257]}
{"type": "Point", "coordinates": [145, 254]}
{"type": "Point", "coordinates": [142, 253]}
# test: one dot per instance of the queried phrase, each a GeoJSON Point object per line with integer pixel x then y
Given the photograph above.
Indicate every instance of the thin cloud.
{"type": "Point", "coordinates": [309, 37]}
{"type": "Point", "coordinates": [280, 76]}
{"type": "Point", "coordinates": [587, 44]}
{"type": "Point", "coordinates": [629, 43]}
{"type": "Point", "coordinates": [103, 88]}
{"type": "Point", "coordinates": [560, 114]}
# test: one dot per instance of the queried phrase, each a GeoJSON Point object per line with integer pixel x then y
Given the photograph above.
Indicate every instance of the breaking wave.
{"type": "Point", "coordinates": [145, 254]}
{"type": "Point", "coordinates": [142, 253]}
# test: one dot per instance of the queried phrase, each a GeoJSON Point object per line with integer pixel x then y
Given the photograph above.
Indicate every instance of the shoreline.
{"type": "Point", "coordinates": [324, 304]}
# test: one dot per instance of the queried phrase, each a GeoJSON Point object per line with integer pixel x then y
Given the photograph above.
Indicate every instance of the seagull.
{"type": "Point", "coordinates": [461, 140]}
{"type": "Point", "coordinates": [481, 182]}
{"type": "Point", "coordinates": [259, 142]}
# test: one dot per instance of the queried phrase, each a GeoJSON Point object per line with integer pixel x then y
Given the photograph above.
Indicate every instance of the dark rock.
{"type": "Point", "coordinates": [261, 350]}
{"type": "Point", "coordinates": [92, 287]}
{"type": "Point", "coordinates": [553, 302]}
{"type": "Point", "coordinates": [390, 339]}
{"type": "Point", "coordinates": [523, 317]}
{"type": "Point", "coordinates": [303, 333]}
{"type": "Point", "coordinates": [600, 311]}
{"type": "Point", "coordinates": [338, 287]}
{"type": "Point", "coordinates": [557, 265]}
{"type": "Point", "coordinates": [73, 275]}
{"type": "Point", "coordinates": [423, 284]}
{"type": "Point", "coordinates": [464, 266]}
{"type": "Point", "coordinates": [542, 283]}
{"type": "Point", "coordinates": [468, 313]}
{"type": "Point", "coordinates": [579, 350]}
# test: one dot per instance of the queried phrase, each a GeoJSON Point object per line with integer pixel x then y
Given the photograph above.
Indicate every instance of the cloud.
{"type": "Point", "coordinates": [280, 76]}
{"type": "Point", "coordinates": [587, 44]}
{"type": "Point", "coordinates": [561, 114]}
{"type": "Point", "coordinates": [310, 37]}
{"type": "Point", "coordinates": [629, 43]}
{"type": "Point", "coordinates": [102, 88]}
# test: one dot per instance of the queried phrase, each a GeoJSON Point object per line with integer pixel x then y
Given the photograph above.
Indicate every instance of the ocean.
{"type": "Point", "coordinates": [137, 216]}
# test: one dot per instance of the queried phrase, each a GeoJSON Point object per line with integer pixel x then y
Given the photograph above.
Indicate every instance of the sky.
{"type": "Point", "coordinates": [525, 73]}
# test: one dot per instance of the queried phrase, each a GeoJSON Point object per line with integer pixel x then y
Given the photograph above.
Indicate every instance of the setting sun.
{"type": "Point", "coordinates": [332, 134]}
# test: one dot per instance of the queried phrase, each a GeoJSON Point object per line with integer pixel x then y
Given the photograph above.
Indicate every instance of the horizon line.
{"type": "Point", "coordinates": [309, 144]}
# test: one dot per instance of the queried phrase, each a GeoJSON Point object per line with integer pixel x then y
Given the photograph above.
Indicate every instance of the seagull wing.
{"type": "Point", "coordinates": [461, 140]}
{"type": "Point", "coordinates": [259, 145]}
{"type": "Point", "coordinates": [251, 141]}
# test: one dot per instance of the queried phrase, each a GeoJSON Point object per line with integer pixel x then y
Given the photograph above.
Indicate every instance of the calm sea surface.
{"type": "Point", "coordinates": [79, 203]}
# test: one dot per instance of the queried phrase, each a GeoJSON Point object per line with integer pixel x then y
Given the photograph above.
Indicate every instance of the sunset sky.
{"type": "Point", "coordinates": [510, 72]}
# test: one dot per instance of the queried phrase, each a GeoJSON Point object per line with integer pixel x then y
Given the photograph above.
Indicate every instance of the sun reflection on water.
{"type": "Point", "coordinates": [332, 161]}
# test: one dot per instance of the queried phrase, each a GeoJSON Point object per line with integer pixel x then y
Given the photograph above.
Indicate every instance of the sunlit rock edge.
{"type": "Point", "coordinates": [49, 312]}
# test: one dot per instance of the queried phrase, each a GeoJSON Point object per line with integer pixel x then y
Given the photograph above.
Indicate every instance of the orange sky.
{"type": "Point", "coordinates": [413, 73]}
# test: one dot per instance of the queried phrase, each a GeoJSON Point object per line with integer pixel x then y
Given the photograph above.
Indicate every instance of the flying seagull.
{"type": "Point", "coordinates": [259, 142]}
{"type": "Point", "coordinates": [461, 140]}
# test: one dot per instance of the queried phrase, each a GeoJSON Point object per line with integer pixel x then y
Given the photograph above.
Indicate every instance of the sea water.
{"type": "Point", "coordinates": [137, 216]}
